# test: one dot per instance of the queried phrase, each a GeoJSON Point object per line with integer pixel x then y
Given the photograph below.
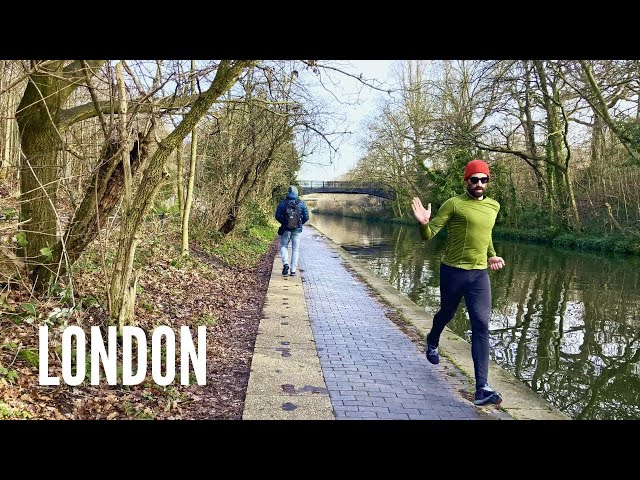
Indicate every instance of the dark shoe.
{"type": "Point", "coordinates": [487, 395]}
{"type": "Point", "coordinates": [293, 273]}
{"type": "Point", "coordinates": [285, 270]}
{"type": "Point", "coordinates": [432, 354]}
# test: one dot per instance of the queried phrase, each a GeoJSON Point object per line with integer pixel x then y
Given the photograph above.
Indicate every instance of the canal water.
{"type": "Point", "coordinates": [566, 323]}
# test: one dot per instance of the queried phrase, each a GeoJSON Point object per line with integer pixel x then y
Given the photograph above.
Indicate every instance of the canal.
{"type": "Point", "coordinates": [565, 323]}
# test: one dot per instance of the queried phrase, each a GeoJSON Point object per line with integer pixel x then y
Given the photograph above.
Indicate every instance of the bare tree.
{"type": "Point", "coordinates": [121, 289]}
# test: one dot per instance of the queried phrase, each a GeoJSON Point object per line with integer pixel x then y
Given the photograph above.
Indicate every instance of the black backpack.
{"type": "Point", "coordinates": [293, 215]}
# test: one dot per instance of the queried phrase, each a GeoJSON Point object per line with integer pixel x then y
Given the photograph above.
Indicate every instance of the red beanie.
{"type": "Point", "coordinates": [476, 166]}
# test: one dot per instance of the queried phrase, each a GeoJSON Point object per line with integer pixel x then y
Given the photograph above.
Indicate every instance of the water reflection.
{"type": "Point", "coordinates": [565, 323]}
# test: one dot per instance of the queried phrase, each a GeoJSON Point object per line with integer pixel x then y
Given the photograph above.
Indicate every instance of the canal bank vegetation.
{"type": "Point", "coordinates": [562, 139]}
{"type": "Point", "coordinates": [142, 194]}
{"type": "Point", "coordinates": [612, 243]}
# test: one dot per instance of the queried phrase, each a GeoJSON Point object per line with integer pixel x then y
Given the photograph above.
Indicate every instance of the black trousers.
{"type": "Point", "coordinates": [475, 287]}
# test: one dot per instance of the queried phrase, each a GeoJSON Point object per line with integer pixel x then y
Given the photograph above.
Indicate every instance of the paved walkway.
{"type": "Point", "coordinates": [286, 381]}
{"type": "Point", "coordinates": [371, 368]}
{"type": "Point", "coordinates": [368, 368]}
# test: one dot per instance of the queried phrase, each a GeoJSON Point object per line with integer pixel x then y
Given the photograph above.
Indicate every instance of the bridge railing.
{"type": "Point", "coordinates": [310, 184]}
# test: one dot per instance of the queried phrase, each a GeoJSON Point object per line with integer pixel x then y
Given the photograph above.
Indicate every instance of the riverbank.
{"type": "Point", "coordinates": [613, 243]}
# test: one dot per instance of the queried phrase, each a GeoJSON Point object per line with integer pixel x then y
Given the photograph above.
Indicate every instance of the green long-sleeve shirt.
{"type": "Point", "coordinates": [469, 223]}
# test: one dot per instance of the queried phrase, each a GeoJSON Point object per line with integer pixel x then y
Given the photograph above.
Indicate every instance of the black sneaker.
{"type": "Point", "coordinates": [293, 273]}
{"type": "Point", "coordinates": [285, 270]}
{"type": "Point", "coordinates": [487, 395]}
{"type": "Point", "coordinates": [432, 354]}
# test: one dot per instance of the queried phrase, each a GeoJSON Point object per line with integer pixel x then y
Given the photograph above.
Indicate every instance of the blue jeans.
{"type": "Point", "coordinates": [475, 287]}
{"type": "Point", "coordinates": [294, 237]}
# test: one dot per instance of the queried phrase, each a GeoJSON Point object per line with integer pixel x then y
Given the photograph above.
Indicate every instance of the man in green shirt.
{"type": "Point", "coordinates": [463, 272]}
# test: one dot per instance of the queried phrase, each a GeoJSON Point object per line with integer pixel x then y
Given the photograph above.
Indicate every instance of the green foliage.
{"type": "Point", "coordinates": [9, 375]}
{"type": "Point", "coordinates": [247, 247]}
{"type": "Point", "coordinates": [64, 293]}
{"type": "Point", "coordinates": [449, 182]}
{"type": "Point", "coordinates": [28, 314]}
{"type": "Point", "coordinates": [502, 190]}
{"type": "Point", "coordinates": [206, 319]}
{"type": "Point", "coordinates": [630, 128]}
{"type": "Point", "coordinates": [8, 214]}
{"type": "Point", "coordinates": [21, 239]}
{"type": "Point", "coordinates": [534, 215]}
{"type": "Point", "coordinates": [5, 306]}
{"type": "Point", "coordinates": [88, 302]}
{"type": "Point", "coordinates": [30, 356]}
{"type": "Point", "coordinates": [47, 254]}
{"type": "Point", "coordinates": [244, 246]}
{"type": "Point", "coordinates": [555, 236]}
{"type": "Point", "coordinates": [172, 397]}
{"type": "Point", "coordinates": [137, 413]}
{"type": "Point", "coordinates": [9, 345]}
{"type": "Point", "coordinates": [256, 215]}
{"type": "Point", "coordinates": [7, 412]}
{"type": "Point", "coordinates": [57, 314]}
{"type": "Point", "coordinates": [148, 396]}
{"type": "Point", "coordinates": [279, 191]}
{"type": "Point", "coordinates": [30, 309]}
{"type": "Point", "coordinates": [162, 210]}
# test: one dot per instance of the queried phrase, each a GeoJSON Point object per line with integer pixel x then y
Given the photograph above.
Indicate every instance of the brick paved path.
{"type": "Point", "coordinates": [372, 370]}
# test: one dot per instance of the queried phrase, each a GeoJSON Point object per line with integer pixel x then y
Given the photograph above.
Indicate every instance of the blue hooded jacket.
{"type": "Point", "coordinates": [281, 210]}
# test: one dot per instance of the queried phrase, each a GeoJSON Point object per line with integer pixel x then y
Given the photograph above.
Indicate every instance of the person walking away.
{"type": "Point", "coordinates": [469, 254]}
{"type": "Point", "coordinates": [292, 213]}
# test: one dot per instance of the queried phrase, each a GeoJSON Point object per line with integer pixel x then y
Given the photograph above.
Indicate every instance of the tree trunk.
{"type": "Point", "coordinates": [192, 176]}
{"type": "Point", "coordinates": [6, 111]}
{"type": "Point", "coordinates": [124, 272]}
{"type": "Point", "coordinates": [189, 199]}
{"type": "Point", "coordinates": [597, 143]}
{"type": "Point", "coordinates": [554, 142]}
{"type": "Point", "coordinates": [180, 182]}
{"type": "Point", "coordinates": [226, 76]}
{"type": "Point", "coordinates": [124, 138]}
{"type": "Point", "coordinates": [101, 197]}
{"type": "Point", "coordinates": [530, 132]}
{"type": "Point", "coordinates": [601, 107]}
{"type": "Point", "coordinates": [572, 200]}
{"type": "Point", "coordinates": [40, 142]}
{"type": "Point", "coordinates": [40, 127]}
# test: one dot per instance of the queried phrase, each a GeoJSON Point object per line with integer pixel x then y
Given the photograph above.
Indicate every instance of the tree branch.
{"type": "Point", "coordinates": [94, 98]}
{"type": "Point", "coordinates": [74, 115]}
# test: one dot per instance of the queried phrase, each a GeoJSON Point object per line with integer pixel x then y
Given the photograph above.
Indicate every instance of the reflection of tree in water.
{"type": "Point", "coordinates": [587, 384]}
{"type": "Point", "coordinates": [611, 387]}
{"type": "Point", "coordinates": [405, 263]}
{"type": "Point", "coordinates": [528, 343]}
{"type": "Point", "coordinates": [605, 366]}
{"type": "Point", "coordinates": [566, 324]}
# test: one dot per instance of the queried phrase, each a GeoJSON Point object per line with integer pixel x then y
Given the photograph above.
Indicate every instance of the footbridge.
{"type": "Point", "coordinates": [368, 188]}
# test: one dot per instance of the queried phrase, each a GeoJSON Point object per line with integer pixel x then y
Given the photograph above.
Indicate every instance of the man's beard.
{"type": "Point", "coordinates": [473, 192]}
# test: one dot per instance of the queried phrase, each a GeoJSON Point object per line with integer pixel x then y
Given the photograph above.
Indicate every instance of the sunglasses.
{"type": "Point", "coordinates": [475, 180]}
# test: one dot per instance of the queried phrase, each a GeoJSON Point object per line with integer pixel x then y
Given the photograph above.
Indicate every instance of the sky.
{"type": "Point", "coordinates": [319, 166]}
